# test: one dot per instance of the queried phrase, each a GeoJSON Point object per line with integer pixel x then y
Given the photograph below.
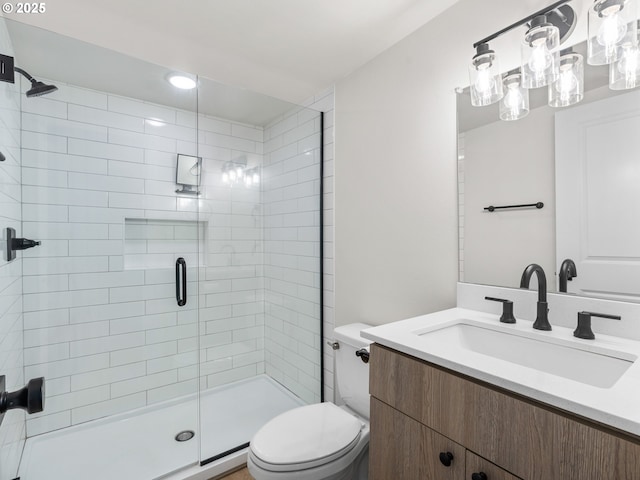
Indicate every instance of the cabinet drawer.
{"type": "Point", "coordinates": [401, 448]}
{"type": "Point", "coordinates": [476, 464]}
{"type": "Point", "coordinates": [533, 441]}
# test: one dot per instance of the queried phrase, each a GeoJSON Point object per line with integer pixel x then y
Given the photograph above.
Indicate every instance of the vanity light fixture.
{"type": "Point", "coordinates": [568, 89]}
{"type": "Point", "coordinates": [624, 73]}
{"type": "Point", "coordinates": [613, 38]}
{"type": "Point", "coordinates": [540, 56]}
{"type": "Point", "coordinates": [612, 24]}
{"type": "Point", "coordinates": [515, 103]}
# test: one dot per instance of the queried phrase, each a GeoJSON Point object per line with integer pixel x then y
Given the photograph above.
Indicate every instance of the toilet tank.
{"type": "Point", "coordinates": [352, 374]}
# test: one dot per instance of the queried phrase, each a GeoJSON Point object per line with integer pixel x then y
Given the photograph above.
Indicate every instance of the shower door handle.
{"type": "Point", "coordinates": [181, 278]}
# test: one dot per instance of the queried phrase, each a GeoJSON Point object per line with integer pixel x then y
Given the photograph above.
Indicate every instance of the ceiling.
{"type": "Point", "coordinates": [62, 60]}
{"type": "Point", "coordinates": [289, 49]}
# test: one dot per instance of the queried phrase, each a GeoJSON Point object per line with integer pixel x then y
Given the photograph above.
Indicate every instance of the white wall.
{"type": "Point", "coordinates": [396, 222]}
{"type": "Point", "coordinates": [12, 431]}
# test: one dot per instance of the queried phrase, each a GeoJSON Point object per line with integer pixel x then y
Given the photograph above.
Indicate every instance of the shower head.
{"type": "Point", "coordinates": [37, 87]}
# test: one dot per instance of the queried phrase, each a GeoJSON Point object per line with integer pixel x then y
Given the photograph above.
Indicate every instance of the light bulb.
{"type": "Point", "coordinates": [513, 98]}
{"type": "Point", "coordinates": [484, 82]}
{"type": "Point", "coordinates": [256, 178]}
{"type": "Point", "coordinates": [239, 172]}
{"type": "Point", "coordinates": [247, 181]}
{"type": "Point", "coordinates": [541, 58]}
{"type": "Point", "coordinates": [568, 89]}
{"type": "Point", "coordinates": [232, 175]}
{"type": "Point", "coordinates": [630, 61]}
{"type": "Point", "coordinates": [612, 30]}
{"type": "Point", "coordinates": [625, 73]}
{"type": "Point", "coordinates": [225, 177]}
{"type": "Point", "coordinates": [515, 104]}
{"type": "Point", "coordinates": [566, 83]}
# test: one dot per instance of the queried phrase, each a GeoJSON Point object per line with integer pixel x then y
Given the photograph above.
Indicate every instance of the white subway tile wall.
{"type": "Point", "coordinates": [99, 187]}
{"type": "Point", "coordinates": [101, 320]}
{"type": "Point", "coordinates": [292, 247]}
{"type": "Point", "coordinates": [99, 293]}
{"type": "Point", "coordinates": [12, 433]}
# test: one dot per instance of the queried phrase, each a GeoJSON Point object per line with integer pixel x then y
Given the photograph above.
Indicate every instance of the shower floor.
{"type": "Point", "coordinates": [140, 444]}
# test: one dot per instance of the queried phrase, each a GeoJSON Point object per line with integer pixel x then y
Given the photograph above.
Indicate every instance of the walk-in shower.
{"type": "Point", "coordinates": [173, 304]}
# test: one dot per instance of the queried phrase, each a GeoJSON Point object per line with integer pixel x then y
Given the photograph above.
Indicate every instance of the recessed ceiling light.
{"type": "Point", "coordinates": [182, 81]}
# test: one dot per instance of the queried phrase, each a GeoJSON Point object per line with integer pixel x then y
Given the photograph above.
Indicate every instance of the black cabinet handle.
{"type": "Point", "coordinates": [446, 458]}
{"type": "Point", "coordinates": [479, 476]}
{"type": "Point", "coordinates": [181, 277]}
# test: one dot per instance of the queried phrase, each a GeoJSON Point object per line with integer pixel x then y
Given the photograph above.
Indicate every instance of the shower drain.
{"type": "Point", "coordinates": [185, 435]}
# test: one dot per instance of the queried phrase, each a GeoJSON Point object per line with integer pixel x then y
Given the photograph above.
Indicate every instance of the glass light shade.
{"type": "Point", "coordinates": [485, 78]}
{"type": "Point", "coordinates": [540, 55]}
{"type": "Point", "coordinates": [612, 24]}
{"type": "Point", "coordinates": [515, 103]}
{"type": "Point", "coordinates": [624, 73]}
{"type": "Point", "coordinates": [568, 89]}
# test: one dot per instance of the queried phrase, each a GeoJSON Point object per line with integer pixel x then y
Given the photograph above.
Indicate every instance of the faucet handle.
{"type": "Point", "coordinates": [583, 330]}
{"type": "Point", "coordinates": [507, 309]}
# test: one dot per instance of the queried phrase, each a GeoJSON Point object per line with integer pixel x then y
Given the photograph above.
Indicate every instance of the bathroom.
{"type": "Point", "coordinates": [267, 279]}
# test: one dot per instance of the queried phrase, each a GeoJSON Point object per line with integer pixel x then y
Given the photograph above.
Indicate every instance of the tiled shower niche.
{"type": "Point", "coordinates": [150, 244]}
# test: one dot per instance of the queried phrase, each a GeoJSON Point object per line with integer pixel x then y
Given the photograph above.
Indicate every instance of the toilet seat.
{"type": "Point", "coordinates": [305, 437]}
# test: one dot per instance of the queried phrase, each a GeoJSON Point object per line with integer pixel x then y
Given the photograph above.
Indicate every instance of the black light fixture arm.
{"type": "Point", "coordinates": [519, 23]}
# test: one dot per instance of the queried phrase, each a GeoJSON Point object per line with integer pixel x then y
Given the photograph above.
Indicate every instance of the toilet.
{"type": "Point", "coordinates": [322, 441]}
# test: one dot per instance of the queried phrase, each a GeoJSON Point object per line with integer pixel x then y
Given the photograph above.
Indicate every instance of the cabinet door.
{"type": "Point", "coordinates": [478, 465]}
{"type": "Point", "coordinates": [534, 441]}
{"type": "Point", "coordinates": [401, 448]}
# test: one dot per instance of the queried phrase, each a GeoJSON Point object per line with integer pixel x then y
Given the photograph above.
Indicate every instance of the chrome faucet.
{"type": "Point", "coordinates": [567, 273]}
{"type": "Point", "coordinates": [542, 319]}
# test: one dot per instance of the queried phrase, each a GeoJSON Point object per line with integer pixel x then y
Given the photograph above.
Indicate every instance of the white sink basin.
{"type": "Point", "coordinates": [598, 367]}
{"type": "Point", "coordinates": [597, 379]}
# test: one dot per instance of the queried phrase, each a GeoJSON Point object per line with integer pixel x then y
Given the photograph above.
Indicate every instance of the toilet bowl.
{"type": "Point", "coordinates": [321, 441]}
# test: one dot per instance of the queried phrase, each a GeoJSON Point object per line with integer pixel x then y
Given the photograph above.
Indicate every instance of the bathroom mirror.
{"type": "Point", "coordinates": [581, 162]}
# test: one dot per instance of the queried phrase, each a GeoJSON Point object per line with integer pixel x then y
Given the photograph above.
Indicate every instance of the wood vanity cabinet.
{"type": "Point", "coordinates": [419, 410]}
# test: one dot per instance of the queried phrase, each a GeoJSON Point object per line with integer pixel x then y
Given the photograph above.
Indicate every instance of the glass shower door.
{"type": "Point", "coordinates": [110, 296]}
{"type": "Point", "coordinates": [260, 301]}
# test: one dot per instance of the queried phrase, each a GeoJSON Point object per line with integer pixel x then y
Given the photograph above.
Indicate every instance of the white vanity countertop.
{"type": "Point", "coordinates": [617, 406]}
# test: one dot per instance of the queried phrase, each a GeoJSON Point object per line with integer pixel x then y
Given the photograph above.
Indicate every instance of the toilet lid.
{"type": "Point", "coordinates": [306, 434]}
